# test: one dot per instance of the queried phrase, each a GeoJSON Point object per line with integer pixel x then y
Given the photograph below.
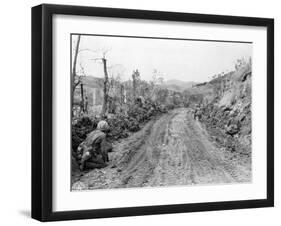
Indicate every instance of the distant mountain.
{"type": "Point", "coordinates": [177, 85]}
{"type": "Point", "coordinates": [96, 83]}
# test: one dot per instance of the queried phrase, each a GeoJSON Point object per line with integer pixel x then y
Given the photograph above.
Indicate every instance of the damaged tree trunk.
{"type": "Point", "coordinates": [74, 75]}
{"type": "Point", "coordinates": [122, 94]}
{"type": "Point", "coordinates": [82, 98]}
{"type": "Point", "coordinates": [75, 56]}
{"type": "Point", "coordinates": [135, 77]}
{"type": "Point", "coordinates": [105, 88]}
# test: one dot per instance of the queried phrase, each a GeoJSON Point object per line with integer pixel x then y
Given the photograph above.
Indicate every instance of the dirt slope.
{"type": "Point", "coordinates": [171, 150]}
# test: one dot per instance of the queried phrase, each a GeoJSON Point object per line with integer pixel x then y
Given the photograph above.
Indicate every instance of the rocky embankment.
{"type": "Point", "coordinates": [227, 116]}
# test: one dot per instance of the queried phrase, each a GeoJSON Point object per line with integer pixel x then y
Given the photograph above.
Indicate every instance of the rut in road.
{"type": "Point", "coordinates": [172, 150]}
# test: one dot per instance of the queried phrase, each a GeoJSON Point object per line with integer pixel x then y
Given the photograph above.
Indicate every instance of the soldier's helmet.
{"type": "Point", "coordinates": [103, 126]}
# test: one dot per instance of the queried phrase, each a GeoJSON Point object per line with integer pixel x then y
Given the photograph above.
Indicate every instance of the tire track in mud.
{"type": "Point", "coordinates": [138, 171]}
{"type": "Point", "coordinates": [171, 150]}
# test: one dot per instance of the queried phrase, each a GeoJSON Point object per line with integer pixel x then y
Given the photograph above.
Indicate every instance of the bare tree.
{"type": "Point", "coordinates": [106, 81]}
{"type": "Point", "coordinates": [82, 74]}
{"type": "Point", "coordinates": [135, 77]}
{"type": "Point", "coordinates": [75, 80]}
{"type": "Point", "coordinates": [122, 94]}
{"type": "Point", "coordinates": [105, 86]}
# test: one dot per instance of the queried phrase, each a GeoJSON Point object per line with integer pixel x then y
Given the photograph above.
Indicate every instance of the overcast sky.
{"type": "Point", "coordinates": [175, 59]}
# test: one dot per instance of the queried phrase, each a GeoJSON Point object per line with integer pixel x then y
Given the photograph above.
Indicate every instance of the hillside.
{"type": "Point", "coordinates": [225, 103]}
{"type": "Point", "coordinates": [177, 85]}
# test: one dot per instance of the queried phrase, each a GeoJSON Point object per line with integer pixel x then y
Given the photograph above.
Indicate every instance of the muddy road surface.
{"type": "Point", "coordinates": [173, 149]}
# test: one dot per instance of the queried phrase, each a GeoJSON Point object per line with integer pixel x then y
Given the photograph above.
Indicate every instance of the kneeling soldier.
{"type": "Point", "coordinates": [94, 150]}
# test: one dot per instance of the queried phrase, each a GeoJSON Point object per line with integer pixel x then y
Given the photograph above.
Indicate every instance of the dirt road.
{"type": "Point", "coordinates": [171, 150]}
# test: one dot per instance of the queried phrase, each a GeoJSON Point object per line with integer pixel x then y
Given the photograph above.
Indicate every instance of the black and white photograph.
{"type": "Point", "coordinates": [159, 112]}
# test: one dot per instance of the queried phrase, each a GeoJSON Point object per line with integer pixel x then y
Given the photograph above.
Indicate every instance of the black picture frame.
{"type": "Point", "coordinates": [42, 107]}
